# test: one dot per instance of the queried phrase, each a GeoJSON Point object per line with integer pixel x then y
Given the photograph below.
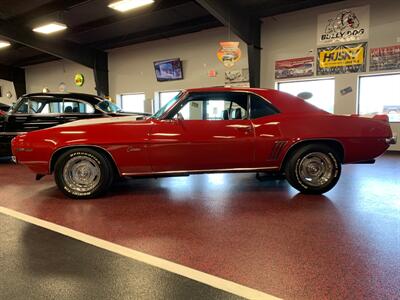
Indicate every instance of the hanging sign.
{"type": "Point", "coordinates": [79, 79]}
{"type": "Point", "coordinates": [385, 58]}
{"type": "Point", "coordinates": [343, 26]}
{"type": "Point", "coordinates": [342, 59]}
{"type": "Point", "coordinates": [229, 53]}
{"type": "Point", "coordinates": [296, 67]}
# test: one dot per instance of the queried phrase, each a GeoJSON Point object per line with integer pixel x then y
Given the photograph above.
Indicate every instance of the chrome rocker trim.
{"type": "Point", "coordinates": [188, 172]}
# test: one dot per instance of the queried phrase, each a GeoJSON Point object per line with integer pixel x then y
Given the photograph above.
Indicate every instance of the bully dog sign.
{"type": "Point", "coordinates": [351, 24]}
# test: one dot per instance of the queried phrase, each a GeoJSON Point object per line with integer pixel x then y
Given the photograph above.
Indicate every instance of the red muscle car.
{"type": "Point", "coordinates": [203, 131]}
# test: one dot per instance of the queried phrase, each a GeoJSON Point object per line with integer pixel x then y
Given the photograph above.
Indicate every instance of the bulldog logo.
{"type": "Point", "coordinates": [344, 27]}
{"type": "Point", "coordinates": [345, 20]}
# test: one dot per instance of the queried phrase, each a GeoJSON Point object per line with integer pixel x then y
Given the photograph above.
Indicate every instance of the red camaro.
{"type": "Point", "coordinates": [203, 131]}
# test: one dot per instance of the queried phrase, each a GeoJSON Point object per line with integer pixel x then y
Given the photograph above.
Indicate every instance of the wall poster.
{"type": "Point", "coordinates": [296, 67]}
{"type": "Point", "coordinates": [343, 26]}
{"type": "Point", "coordinates": [237, 78]}
{"type": "Point", "coordinates": [385, 58]}
{"type": "Point", "coordinates": [342, 59]}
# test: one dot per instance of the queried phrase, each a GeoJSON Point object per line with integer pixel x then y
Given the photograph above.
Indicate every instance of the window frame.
{"type": "Point", "coordinates": [50, 98]}
{"type": "Point", "coordinates": [278, 82]}
{"type": "Point", "coordinates": [157, 98]}
{"type": "Point", "coordinates": [359, 77]}
{"type": "Point", "coordinates": [121, 96]}
{"type": "Point", "coordinates": [178, 106]}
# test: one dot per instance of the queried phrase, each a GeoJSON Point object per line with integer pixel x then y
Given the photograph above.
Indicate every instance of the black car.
{"type": "Point", "coordinates": [43, 110]}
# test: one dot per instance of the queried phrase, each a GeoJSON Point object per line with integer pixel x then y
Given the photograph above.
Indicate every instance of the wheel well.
{"type": "Point", "coordinates": [334, 144]}
{"type": "Point", "coordinates": [56, 155]}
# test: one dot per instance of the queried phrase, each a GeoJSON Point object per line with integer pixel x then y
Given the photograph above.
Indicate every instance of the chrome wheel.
{"type": "Point", "coordinates": [316, 169]}
{"type": "Point", "coordinates": [82, 174]}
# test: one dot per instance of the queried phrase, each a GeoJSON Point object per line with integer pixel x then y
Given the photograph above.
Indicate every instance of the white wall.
{"type": "Point", "coordinates": [131, 68]}
{"type": "Point", "coordinates": [295, 34]}
{"type": "Point", "coordinates": [51, 74]}
{"type": "Point", "coordinates": [7, 86]}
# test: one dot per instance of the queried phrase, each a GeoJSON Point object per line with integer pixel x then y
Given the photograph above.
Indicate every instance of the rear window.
{"type": "Point", "coordinates": [261, 108]}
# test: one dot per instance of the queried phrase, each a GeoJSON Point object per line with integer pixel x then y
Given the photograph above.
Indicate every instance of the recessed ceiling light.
{"type": "Point", "coordinates": [50, 28]}
{"type": "Point", "coordinates": [4, 44]}
{"type": "Point", "coordinates": [125, 5]}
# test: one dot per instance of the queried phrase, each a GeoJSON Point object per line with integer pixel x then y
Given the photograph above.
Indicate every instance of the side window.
{"type": "Point", "coordinates": [215, 106]}
{"type": "Point", "coordinates": [23, 106]}
{"type": "Point", "coordinates": [53, 107]}
{"type": "Point", "coordinates": [261, 108]}
{"type": "Point", "coordinates": [71, 106]}
{"type": "Point", "coordinates": [29, 106]}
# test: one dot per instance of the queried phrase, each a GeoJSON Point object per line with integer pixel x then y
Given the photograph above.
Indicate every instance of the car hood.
{"type": "Point", "coordinates": [99, 121]}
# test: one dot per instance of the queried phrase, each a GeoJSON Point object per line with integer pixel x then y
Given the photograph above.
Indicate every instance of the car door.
{"type": "Point", "coordinates": [39, 112]}
{"type": "Point", "coordinates": [34, 113]}
{"type": "Point", "coordinates": [205, 131]}
{"type": "Point", "coordinates": [269, 140]}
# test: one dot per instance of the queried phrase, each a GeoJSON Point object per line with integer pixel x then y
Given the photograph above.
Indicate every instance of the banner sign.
{"type": "Point", "coordinates": [385, 58]}
{"type": "Point", "coordinates": [296, 67]}
{"type": "Point", "coordinates": [342, 59]}
{"type": "Point", "coordinates": [343, 26]}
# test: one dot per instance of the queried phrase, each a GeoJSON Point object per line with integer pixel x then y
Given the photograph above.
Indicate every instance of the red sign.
{"type": "Point", "coordinates": [385, 58]}
{"type": "Point", "coordinates": [296, 67]}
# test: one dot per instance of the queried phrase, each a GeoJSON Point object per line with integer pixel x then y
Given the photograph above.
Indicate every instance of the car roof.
{"type": "Point", "coordinates": [92, 99]}
{"type": "Point", "coordinates": [284, 102]}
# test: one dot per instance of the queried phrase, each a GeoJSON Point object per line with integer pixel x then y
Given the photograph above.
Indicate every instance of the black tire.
{"type": "Point", "coordinates": [313, 169]}
{"type": "Point", "coordinates": [76, 166]}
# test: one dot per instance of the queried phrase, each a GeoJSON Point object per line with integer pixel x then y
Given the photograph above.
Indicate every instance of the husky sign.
{"type": "Point", "coordinates": [342, 59]}
{"type": "Point", "coordinates": [347, 25]}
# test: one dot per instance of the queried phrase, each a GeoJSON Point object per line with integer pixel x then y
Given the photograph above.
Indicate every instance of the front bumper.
{"type": "Point", "coordinates": [392, 140]}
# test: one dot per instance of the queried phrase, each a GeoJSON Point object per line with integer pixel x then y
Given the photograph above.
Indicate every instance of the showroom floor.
{"type": "Point", "coordinates": [263, 235]}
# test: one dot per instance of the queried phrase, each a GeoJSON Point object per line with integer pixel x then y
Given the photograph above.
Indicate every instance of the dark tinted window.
{"type": "Point", "coordinates": [261, 108]}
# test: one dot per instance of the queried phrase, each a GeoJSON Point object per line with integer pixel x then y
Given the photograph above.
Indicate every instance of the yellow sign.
{"type": "Point", "coordinates": [341, 57]}
{"type": "Point", "coordinates": [79, 79]}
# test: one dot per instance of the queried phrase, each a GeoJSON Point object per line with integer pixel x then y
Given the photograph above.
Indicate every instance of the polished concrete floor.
{"type": "Point", "coordinates": [343, 245]}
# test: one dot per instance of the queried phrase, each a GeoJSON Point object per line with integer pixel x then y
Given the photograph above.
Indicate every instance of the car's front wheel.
{"type": "Point", "coordinates": [83, 173]}
{"type": "Point", "coordinates": [313, 169]}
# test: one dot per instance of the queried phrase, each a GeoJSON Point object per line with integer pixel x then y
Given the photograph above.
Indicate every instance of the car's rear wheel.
{"type": "Point", "coordinates": [83, 173]}
{"type": "Point", "coordinates": [313, 169]}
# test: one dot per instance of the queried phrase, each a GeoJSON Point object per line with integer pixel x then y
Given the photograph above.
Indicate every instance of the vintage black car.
{"type": "Point", "coordinates": [43, 110]}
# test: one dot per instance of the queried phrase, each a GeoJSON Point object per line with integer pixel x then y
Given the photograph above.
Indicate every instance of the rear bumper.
{"type": "Point", "coordinates": [392, 140]}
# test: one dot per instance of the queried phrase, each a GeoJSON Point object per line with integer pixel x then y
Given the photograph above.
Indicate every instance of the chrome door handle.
{"type": "Point", "coordinates": [246, 128]}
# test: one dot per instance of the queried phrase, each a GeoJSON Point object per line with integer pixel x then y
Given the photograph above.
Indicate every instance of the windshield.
{"type": "Point", "coordinates": [109, 107]}
{"type": "Point", "coordinates": [163, 109]}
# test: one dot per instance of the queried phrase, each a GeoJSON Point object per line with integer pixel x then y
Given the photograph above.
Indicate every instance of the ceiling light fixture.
{"type": "Point", "coordinates": [50, 28]}
{"type": "Point", "coordinates": [4, 44]}
{"type": "Point", "coordinates": [125, 5]}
